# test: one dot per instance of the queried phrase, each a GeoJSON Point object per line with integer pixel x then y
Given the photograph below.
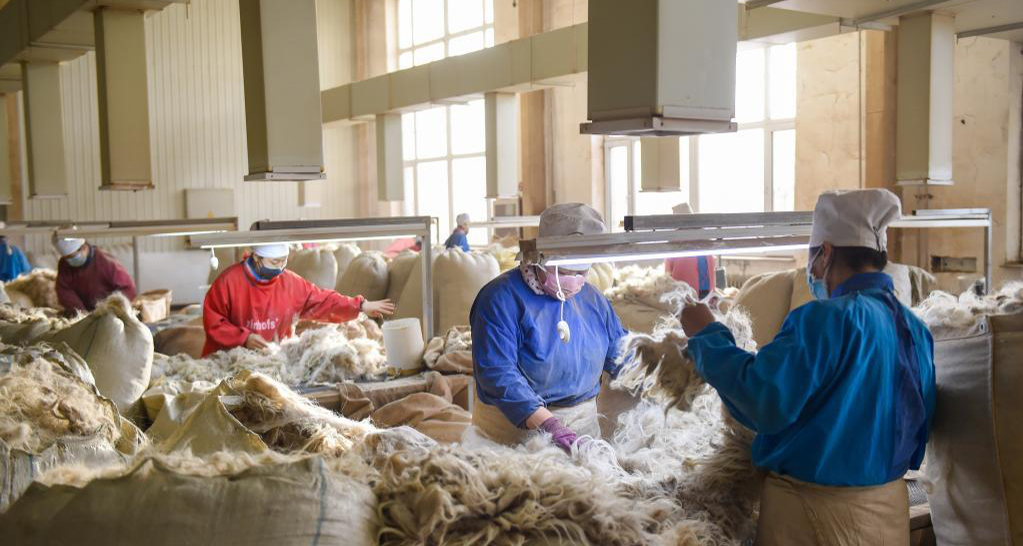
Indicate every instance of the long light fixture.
{"type": "Point", "coordinates": [673, 254]}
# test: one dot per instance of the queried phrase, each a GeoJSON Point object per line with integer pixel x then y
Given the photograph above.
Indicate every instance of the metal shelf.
{"type": "Point", "coordinates": [342, 229]}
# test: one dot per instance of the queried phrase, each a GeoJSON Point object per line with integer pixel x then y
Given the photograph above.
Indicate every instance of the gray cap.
{"type": "Point", "coordinates": [570, 219]}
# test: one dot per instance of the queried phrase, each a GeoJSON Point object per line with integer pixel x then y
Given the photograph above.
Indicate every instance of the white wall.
{"type": "Point", "coordinates": [197, 123]}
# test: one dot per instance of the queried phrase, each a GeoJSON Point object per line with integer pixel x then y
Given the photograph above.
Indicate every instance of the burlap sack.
{"type": "Point", "coordinates": [410, 302]}
{"type": "Point", "coordinates": [975, 456]}
{"type": "Point", "coordinates": [366, 276]}
{"type": "Point", "coordinates": [117, 347]}
{"type": "Point", "coordinates": [601, 276]}
{"type": "Point", "coordinates": [18, 467]}
{"type": "Point", "coordinates": [14, 333]}
{"type": "Point", "coordinates": [187, 340]}
{"type": "Point", "coordinates": [343, 255]}
{"type": "Point", "coordinates": [398, 271]}
{"type": "Point", "coordinates": [40, 287]}
{"type": "Point", "coordinates": [297, 502]}
{"type": "Point", "coordinates": [767, 299]}
{"type": "Point", "coordinates": [19, 298]}
{"type": "Point", "coordinates": [638, 317]}
{"type": "Point", "coordinates": [316, 265]}
{"type": "Point", "coordinates": [457, 277]}
{"type": "Point", "coordinates": [168, 405]}
{"type": "Point", "coordinates": [154, 305]}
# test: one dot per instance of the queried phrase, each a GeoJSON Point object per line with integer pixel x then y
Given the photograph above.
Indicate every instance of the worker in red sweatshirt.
{"type": "Point", "coordinates": [86, 275]}
{"type": "Point", "coordinates": [256, 301]}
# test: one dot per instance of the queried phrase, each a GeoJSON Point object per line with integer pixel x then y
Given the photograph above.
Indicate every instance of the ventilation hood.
{"type": "Point", "coordinates": [661, 67]}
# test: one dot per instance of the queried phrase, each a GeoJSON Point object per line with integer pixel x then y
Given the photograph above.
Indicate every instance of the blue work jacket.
{"type": "Point", "coordinates": [12, 262]}
{"type": "Point", "coordinates": [519, 362]}
{"type": "Point", "coordinates": [843, 396]}
{"type": "Point", "coordinates": [457, 238]}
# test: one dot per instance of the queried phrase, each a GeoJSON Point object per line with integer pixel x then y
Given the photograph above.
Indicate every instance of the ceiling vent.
{"type": "Point", "coordinates": [661, 67]}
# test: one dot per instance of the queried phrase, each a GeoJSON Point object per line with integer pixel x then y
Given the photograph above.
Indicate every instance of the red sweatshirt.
{"type": "Point", "coordinates": [80, 288]}
{"type": "Point", "coordinates": [239, 304]}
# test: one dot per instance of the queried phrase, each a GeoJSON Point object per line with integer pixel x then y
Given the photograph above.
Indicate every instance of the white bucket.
{"type": "Point", "coordinates": [403, 340]}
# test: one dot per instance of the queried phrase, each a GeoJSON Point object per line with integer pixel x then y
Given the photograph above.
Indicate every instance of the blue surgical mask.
{"type": "Point", "coordinates": [264, 272]}
{"type": "Point", "coordinates": [78, 260]}
{"type": "Point", "coordinates": [818, 287]}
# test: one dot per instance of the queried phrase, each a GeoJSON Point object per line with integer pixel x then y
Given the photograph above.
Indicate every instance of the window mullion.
{"type": "Point", "coordinates": [768, 170]}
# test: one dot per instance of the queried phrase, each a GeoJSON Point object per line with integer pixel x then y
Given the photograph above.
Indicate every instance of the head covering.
{"type": "Point", "coordinates": [67, 246]}
{"type": "Point", "coordinates": [571, 219]}
{"type": "Point", "coordinates": [279, 250]}
{"type": "Point", "coordinates": [855, 218]}
{"type": "Point", "coordinates": [462, 219]}
{"type": "Point", "coordinates": [682, 208]}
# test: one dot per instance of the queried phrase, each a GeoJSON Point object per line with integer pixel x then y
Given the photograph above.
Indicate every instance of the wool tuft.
{"type": "Point", "coordinates": [40, 285]}
{"type": "Point", "coordinates": [947, 315]}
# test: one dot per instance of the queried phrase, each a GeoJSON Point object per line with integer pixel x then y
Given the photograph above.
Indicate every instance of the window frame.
{"type": "Point", "coordinates": [410, 205]}
{"type": "Point", "coordinates": [768, 125]}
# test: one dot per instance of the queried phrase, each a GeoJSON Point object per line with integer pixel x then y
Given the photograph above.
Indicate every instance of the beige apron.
{"type": "Point", "coordinates": [796, 513]}
{"type": "Point", "coordinates": [491, 423]}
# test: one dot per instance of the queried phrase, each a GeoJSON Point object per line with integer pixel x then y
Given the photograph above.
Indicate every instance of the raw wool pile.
{"type": "Point", "coordinates": [451, 352]}
{"type": "Point", "coordinates": [601, 276]}
{"type": "Point", "coordinates": [39, 285]}
{"type": "Point", "coordinates": [947, 315]}
{"type": "Point", "coordinates": [458, 495]}
{"type": "Point", "coordinates": [324, 355]}
{"type": "Point", "coordinates": [286, 421]}
{"type": "Point", "coordinates": [48, 393]}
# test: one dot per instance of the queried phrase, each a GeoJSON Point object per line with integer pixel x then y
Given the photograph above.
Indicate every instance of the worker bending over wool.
{"type": "Point", "coordinates": [255, 302]}
{"type": "Point", "coordinates": [842, 399]}
{"type": "Point", "coordinates": [86, 275]}
{"type": "Point", "coordinates": [459, 237]}
{"type": "Point", "coordinates": [12, 260]}
{"type": "Point", "coordinates": [541, 338]}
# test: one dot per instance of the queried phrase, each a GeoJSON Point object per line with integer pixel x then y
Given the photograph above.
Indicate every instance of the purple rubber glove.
{"type": "Point", "coordinates": [562, 436]}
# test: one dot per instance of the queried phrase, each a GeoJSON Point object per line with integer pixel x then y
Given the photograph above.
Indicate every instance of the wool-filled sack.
{"type": "Point", "coordinates": [410, 302]}
{"type": "Point", "coordinates": [398, 271]}
{"type": "Point", "coordinates": [178, 340]}
{"type": "Point", "coordinates": [457, 277]}
{"type": "Point", "coordinates": [767, 298]}
{"type": "Point", "coordinates": [51, 414]}
{"type": "Point", "coordinates": [153, 305]}
{"type": "Point", "coordinates": [366, 276]}
{"type": "Point", "coordinates": [345, 253]}
{"type": "Point", "coordinates": [601, 276]}
{"type": "Point", "coordinates": [4, 298]}
{"type": "Point", "coordinates": [117, 347]}
{"type": "Point", "coordinates": [19, 298]}
{"type": "Point", "coordinates": [39, 285]}
{"type": "Point", "coordinates": [15, 333]}
{"type": "Point", "coordinates": [316, 265]}
{"type": "Point", "coordinates": [269, 500]}
{"type": "Point", "coordinates": [974, 460]}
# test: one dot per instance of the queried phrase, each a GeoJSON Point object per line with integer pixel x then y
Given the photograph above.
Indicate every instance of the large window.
{"type": "Point", "coordinates": [750, 170]}
{"type": "Point", "coordinates": [444, 147]}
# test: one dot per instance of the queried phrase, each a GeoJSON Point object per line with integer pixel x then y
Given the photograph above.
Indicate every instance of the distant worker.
{"type": "Point", "coordinates": [12, 259]}
{"type": "Point", "coordinates": [542, 337]}
{"type": "Point", "coordinates": [254, 302]}
{"type": "Point", "coordinates": [842, 399]}
{"type": "Point", "coordinates": [696, 271]}
{"type": "Point", "coordinates": [458, 236]}
{"type": "Point", "coordinates": [86, 275]}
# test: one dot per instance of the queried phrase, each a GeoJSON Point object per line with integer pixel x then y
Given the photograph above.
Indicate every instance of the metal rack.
{"type": "Point", "coordinates": [324, 231]}
{"type": "Point", "coordinates": [130, 228]}
{"type": "Point", "coordinates": [678, 235]}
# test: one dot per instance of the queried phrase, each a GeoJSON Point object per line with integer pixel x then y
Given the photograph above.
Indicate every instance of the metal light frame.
{"type": "Point", "coordinates": [126, 228]}
{"type": "Point", "coordinates": [345, 229]}
{"type": "Point", "coordinates": [679, 235]}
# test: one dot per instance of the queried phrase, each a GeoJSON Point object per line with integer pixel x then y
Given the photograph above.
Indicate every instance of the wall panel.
{"type": "Point", "coordinates": [198, 125]}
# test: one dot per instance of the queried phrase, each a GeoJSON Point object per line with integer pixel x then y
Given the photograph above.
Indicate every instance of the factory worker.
{"type": "Point", "coordinates": [696, 271]}
{"type": "Point", "coordinates": [458, 236]}
{"type": "Point", "coordinates": [256, 301]}
{"type": "Point", "coordinates": [86, 275]}
{"type": "Point", "coordinates": [12, 259]}
{"type": "Point", "coordinates": [542, 336]}
{"type": "Point", "coordinates": [842, 399]}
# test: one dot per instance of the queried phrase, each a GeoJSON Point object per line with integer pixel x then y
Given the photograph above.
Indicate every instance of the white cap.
{"type": "Point", "coordinates": [279, 250]}
{"type": "Point", "coordinates": [682, 208]}
{"type": "Point", "coordinates": [855, 218]}
{"type": "Point", "coordinates": [571, 219]}
{"type": "Point", "coordinates": [462, 219]}
{"type": "Point", "coordinates": [66, 247]}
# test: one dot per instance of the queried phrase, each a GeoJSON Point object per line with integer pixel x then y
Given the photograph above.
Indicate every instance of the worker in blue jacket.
{"type": "Point", "coordinates": [459, 236]}
{"type": "Point", "coordinates": [842, 398]}
{"type": "Point", "coordinates": [541, 338]}
{"type": "Point", "coordinates": [12, 260]}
